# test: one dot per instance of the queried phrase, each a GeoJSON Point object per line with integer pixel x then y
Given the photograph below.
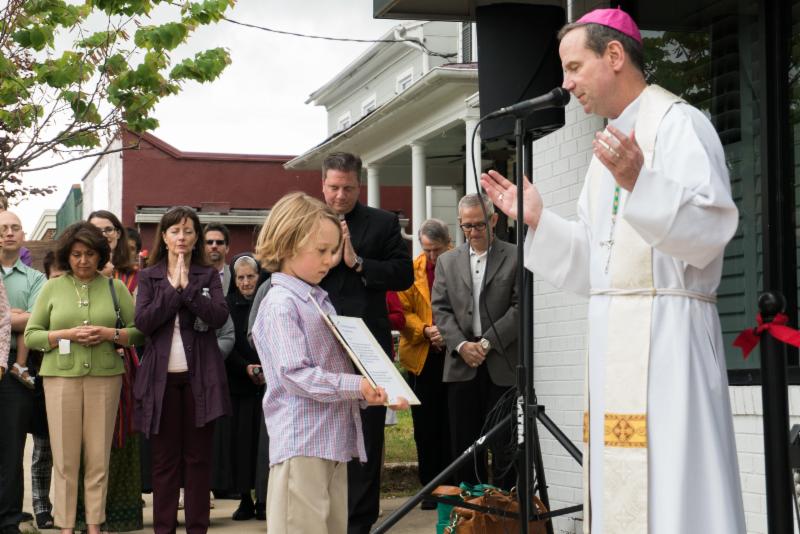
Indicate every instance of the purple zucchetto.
{"type": "Point", "coordinates": [613, 18]}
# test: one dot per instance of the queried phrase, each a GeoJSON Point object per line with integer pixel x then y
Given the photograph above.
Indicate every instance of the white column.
{"type": "Point", "coordinates": [469, 184]}
{"type": "Point", "coordinates": [373, 186]}
{"type": "Point", "coordinates": [417, 191]}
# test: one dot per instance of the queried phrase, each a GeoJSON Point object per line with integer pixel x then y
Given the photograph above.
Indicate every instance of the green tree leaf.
{"type": "Point", "coordinates": [165, 37]}
{"type": "Point", "coordinates": [35, 36]}
{"type": "Point", "coordinates": [207, 11]}
{"type": "Point", "coordinates": [80, 139]}
{"type": "Point", "coordinates": [204, 67]}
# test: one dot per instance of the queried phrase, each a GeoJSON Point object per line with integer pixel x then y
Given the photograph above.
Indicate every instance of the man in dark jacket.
{"type": "Point", "coordinates": [375, 260]}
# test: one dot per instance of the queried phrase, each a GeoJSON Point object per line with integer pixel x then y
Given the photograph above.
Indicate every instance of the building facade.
{"type": "Point", "coordinates": [150, 176]}
{"type": "Point", "coordinates": [409, 110]}
{"type": "Point", "coordinates": [738, 61]}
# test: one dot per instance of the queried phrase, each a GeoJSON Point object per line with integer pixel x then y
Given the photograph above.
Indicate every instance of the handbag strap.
{"type": "Point", "coordinates": [119, 324]}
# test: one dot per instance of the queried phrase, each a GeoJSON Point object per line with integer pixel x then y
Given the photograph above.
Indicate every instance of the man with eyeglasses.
{"type": "Point", "coordinates": [16, 402]}
{"type": "Point", "coordinates": [475, 307]}
{"type": "Point", "coordinates": [217, 237]}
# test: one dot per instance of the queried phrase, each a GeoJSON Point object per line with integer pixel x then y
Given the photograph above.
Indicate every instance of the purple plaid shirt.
{"type": "Point", "coordinates": [311, 405]}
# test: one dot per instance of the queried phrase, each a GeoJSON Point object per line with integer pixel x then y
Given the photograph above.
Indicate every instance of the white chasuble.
{"type": "Point", "coordinates": [660, 456]}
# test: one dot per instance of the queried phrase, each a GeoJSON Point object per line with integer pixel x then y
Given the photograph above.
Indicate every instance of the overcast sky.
{"type": "Point", "coordinates": [257, 106]}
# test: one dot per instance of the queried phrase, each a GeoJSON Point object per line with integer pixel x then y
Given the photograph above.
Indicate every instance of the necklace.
{"type": "Point", "coordinates": [610, 242]}
{"type": "Point", "coordinates": [82, 301]}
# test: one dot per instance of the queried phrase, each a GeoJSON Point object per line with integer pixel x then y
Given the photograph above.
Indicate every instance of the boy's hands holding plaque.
{"type": "Point", "coordinates": [373, 396]}
{"type": "Point", "coordinates": [377, 396]}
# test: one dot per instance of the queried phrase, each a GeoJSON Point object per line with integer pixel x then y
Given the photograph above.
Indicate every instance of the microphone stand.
{"type": "Point", "coordinates": [530, 465]}
{"type": "Point", "coordinates": [524, 456]}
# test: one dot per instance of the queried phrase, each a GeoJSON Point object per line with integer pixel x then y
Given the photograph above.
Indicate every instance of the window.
{"type": "Point", "coordinates": [344, 122]}
{"type": "Point", "coordinates": [368, 105]}
{"type": "Point", "coordinates": [466, 42]}
{"type": "Point", "coordinates": [404, 80]}
{"type": "Point", "coordinates": [712, 62]}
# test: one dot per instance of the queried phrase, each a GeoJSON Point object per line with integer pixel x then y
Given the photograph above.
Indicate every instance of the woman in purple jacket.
{"type": "Point", "coordinates": [181, 386]}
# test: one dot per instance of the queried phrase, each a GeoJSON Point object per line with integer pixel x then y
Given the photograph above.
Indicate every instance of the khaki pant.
{"type": "Point", "coordinates": [81, 412]}
{"type": "Point", "coordinates": [307, 495]}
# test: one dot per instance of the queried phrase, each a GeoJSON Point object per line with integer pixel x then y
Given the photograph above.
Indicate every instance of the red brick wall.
{"type": "Point", "coordinates": [152, 176]}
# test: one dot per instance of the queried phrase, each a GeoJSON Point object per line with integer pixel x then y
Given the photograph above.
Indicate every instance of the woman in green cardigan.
{"type": "Point", "coordinates": [74, 323]}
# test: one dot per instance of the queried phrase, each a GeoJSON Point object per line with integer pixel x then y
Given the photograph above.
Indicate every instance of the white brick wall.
{"type": "Point", "coordinates": [560, 163]}
{"type": "Point", "coordinates": [748, 425]}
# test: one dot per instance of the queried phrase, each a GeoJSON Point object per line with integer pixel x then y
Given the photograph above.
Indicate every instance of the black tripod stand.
{"type": "Point", "coordinates": [530, 466]}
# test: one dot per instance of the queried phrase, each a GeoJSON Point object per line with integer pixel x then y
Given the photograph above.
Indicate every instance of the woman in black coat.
{"type": "Point", "coordinates": [246, 383]}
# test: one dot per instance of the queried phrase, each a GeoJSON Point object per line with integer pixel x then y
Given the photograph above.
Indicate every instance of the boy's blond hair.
{"type": "Point", "coordinates": [289, 225]}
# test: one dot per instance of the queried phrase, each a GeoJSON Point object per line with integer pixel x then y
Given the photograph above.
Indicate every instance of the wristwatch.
{"type": "Point", "coordinates": [485, 345]}
{"type": "Point", "coordinates": [116, 335]}
{"type": "Point", "coordinates": [359, 264]}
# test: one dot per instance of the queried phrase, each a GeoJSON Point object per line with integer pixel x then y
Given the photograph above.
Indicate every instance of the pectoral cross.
{"type": "Point", "coordinates": [610, 245]}
{"type": "Point", "coordinates": [610, 241]}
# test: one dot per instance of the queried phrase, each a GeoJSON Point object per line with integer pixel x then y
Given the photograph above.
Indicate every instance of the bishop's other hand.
{"type": "Point", "coordinates": [620, 154]}
{"type": "Point", "coordinates": [503, 195]}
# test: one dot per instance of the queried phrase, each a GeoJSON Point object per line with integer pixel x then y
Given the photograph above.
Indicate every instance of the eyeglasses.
{"type": "Point", "coordinates": [13, 227]}
{"type": "Point", "coordinates": [481, 226]}
{"type": "Point", "coordinates": [108, 230]}
{"type": "Point", "coordinates": [218, 242]}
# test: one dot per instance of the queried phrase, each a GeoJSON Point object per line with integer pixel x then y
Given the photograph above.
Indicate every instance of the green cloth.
{"type": "Point", "coordinates": [23, 284]}
{"type": "Point", "coordinates": [124, 498]}
{"type": "Point", "coordinates": [444, 511]}
{"type": "Point", "coordinates": [58, 308]}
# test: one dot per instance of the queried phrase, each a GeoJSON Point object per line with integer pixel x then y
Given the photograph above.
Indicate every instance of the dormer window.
{"type": "Point", "coordinates": [344, 122]}
{"type": "Point", "coordinates": [404, 80]}
{"type": "Point", "coordinates": [368, 105]}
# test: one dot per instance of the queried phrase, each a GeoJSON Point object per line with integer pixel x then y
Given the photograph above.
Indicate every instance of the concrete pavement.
{"type": "Point", "coordinates": [416, 522]}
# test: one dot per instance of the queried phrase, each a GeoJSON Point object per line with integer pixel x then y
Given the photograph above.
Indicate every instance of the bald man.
{"type": "Point", "coordinates": [16, 402]}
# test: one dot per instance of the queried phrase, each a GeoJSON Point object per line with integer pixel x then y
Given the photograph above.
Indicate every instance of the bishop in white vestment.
{"type": "Point", "coordinates": [654, 217]}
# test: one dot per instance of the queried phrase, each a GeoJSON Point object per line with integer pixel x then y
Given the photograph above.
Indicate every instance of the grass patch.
{"type": "Point", "coordinates": [400, 479]}
{"type": "Point", "coordinates": [400, 445]}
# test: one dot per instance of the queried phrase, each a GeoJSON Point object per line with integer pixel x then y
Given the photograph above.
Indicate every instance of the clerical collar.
{"type": "Point", "coordinates": [627, 119]}
{"type": "Point", "coordinates": [350, 214]}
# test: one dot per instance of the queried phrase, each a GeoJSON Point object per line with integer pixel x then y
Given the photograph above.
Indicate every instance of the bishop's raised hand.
{"type": "Point", "coordinates": [503, 195]}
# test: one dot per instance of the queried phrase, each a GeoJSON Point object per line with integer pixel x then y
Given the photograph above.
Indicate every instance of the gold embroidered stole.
{"type": "Point", "coordinates": [628, 349]}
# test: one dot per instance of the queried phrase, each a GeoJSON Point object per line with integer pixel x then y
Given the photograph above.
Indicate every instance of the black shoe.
{"type": "Point", "coordinates": [261, 511]}
{"type": "Point", "coordinates": [44, 521]}
{"type": "Point", "coordinates": [428, 505]}
{"type": "Point", "coordinates": [26, 516]}
{"type": "Point", "coordinates": [244, 512]}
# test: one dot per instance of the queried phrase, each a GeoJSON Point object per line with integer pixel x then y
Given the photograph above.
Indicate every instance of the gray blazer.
{"type": "Point", "coordinates": [453, 309]}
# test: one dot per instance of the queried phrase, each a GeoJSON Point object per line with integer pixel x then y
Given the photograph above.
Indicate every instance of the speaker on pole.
{"type": "Point", "coordinates": [518, 60]}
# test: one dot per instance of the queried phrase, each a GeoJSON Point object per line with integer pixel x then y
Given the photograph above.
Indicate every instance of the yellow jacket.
{"type": "Point", "coordinates": [416, 301]}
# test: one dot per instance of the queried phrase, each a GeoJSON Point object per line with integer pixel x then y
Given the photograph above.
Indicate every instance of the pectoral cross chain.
{"type": "Point", "coordinates": [609, 243]}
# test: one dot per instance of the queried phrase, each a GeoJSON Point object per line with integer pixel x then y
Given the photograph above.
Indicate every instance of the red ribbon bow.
{"type": "Point", "coordinates": [748, 339]}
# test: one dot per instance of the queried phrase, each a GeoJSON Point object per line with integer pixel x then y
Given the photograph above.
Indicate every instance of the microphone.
{"type": "Point", "coordinates": [557, 98]}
